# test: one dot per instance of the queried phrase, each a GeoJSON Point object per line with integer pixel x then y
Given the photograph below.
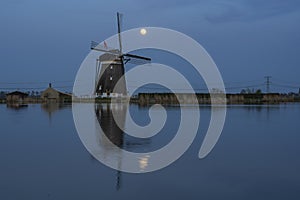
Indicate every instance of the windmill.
{"type": "Point", "coordinates": [110, 67]}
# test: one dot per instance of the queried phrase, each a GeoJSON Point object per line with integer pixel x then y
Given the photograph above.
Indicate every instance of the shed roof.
{"type": "Point", "coordinates": [50, 89]}
{"type": "Point", "coordinates": [17, 93]}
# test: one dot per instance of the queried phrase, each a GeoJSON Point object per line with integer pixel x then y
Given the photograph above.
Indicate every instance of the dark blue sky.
{"type": "Point", "coordinates": [46, 40]}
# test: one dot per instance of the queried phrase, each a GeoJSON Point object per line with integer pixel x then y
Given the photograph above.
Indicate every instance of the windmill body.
{"type": "Point", "coordinates": [110, 71]}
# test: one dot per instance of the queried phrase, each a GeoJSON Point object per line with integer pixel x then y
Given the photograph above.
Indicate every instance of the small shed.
{"type": "Point", "coordinates": [16, 97]}
{"type": "Point", "coordinates": [51, 95]}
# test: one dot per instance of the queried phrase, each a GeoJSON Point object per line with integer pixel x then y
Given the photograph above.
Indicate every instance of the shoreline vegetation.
{"type": "Point", "coordinates": [166, 98]}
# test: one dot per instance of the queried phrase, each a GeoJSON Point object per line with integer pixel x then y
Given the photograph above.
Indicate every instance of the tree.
{"type": "Point", "coordinates": [243, 91]}
{"type": "Point", "coordinates": [258, 91]}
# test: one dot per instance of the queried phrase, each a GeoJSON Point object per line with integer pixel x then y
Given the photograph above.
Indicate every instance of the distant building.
{"type": "Point", "coordinates": [16, 97]}
{"type": "Point", "coordinates": [51, 95]}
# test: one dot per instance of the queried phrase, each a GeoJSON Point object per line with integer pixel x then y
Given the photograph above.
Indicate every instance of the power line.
{"type": "Point", "coordinates": [287, 86]}
{"type": "Point", "coordinates": [31, 88]}
{"type": "Point", "coordinates": [286, 82]}
{"type": "Point", "coordinates": [32, 83]}
{"type": "Point", "coordinates": [198, 89]}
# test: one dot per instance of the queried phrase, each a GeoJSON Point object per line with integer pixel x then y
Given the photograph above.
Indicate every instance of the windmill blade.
{"type": "Point", "coordinates": [119, 30]}
{"type": "Point", "coordinates": [135, 61]}
{"type": "Point", "coordinates": [94, 44]}
{"type": "Point", "coordinates": [99, 47]}
{"type": "Point", "coordinates": [137, 57]}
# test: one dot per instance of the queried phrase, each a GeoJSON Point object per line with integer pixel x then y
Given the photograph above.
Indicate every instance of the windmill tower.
{"type": "Point", "coordinates": [110, 67]}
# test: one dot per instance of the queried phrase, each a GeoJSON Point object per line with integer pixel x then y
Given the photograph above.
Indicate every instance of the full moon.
{"type": "Point", "coordinates": [143, 31]}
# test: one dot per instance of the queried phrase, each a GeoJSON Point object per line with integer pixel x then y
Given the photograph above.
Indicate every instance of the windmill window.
{"type": "Point", "coordinates": [111, 67]}
{"type": "Point", "coordinates": [110, 78]}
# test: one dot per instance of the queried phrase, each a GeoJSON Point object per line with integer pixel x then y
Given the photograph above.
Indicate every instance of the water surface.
{"type": "Point", "coordinates": [257, 157]}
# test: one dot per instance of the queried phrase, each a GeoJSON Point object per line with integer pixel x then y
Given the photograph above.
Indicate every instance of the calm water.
{"type": "Point", "coordinates": [257, 157]}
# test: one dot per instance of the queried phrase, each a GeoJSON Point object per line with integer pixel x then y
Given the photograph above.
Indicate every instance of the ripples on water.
{"type": "Point", "coordinates": [257, 157]}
